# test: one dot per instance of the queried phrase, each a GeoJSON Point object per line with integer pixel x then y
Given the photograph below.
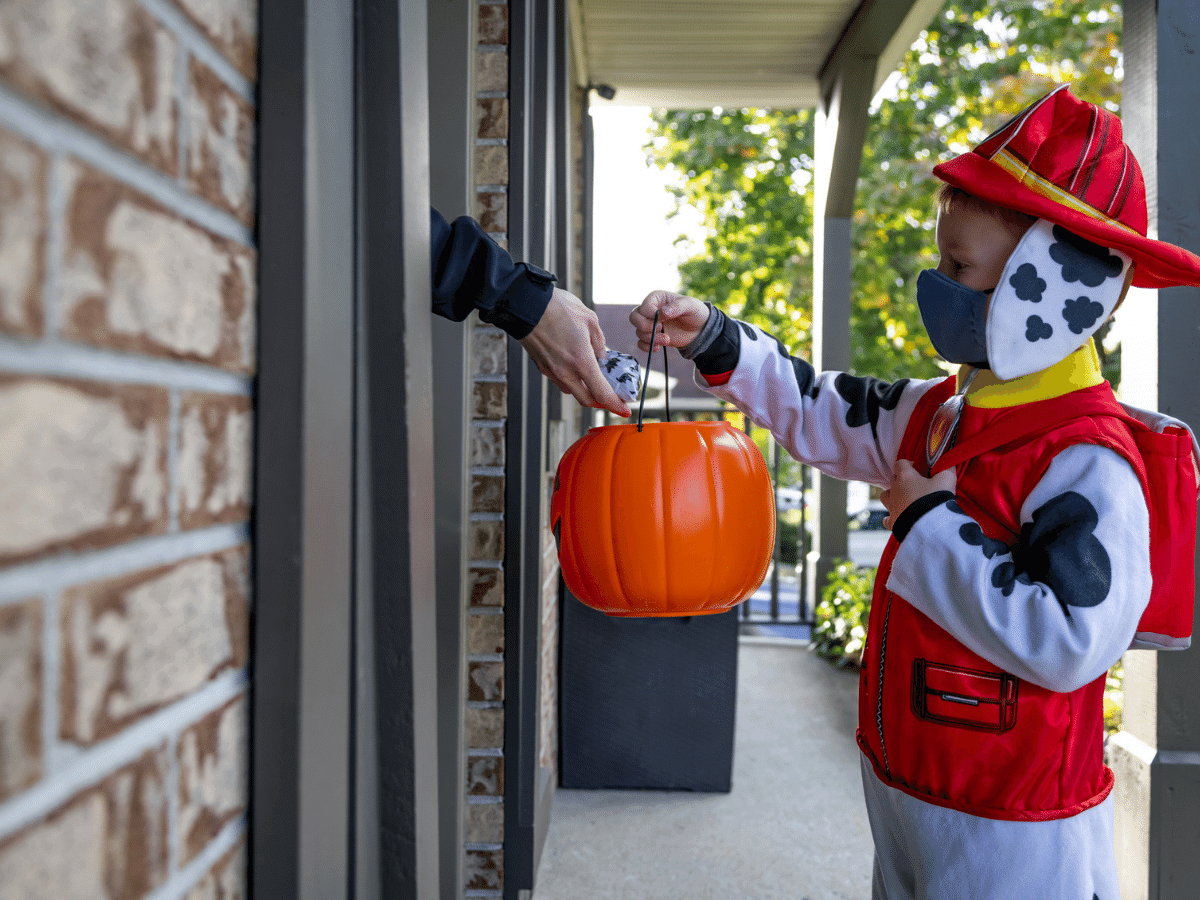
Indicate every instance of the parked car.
{"type": "Point", "coordinates": [869, 519]}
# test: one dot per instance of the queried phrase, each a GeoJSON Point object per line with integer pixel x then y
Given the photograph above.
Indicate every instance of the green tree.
{"type": "Point", "coordinates": [749, 171]}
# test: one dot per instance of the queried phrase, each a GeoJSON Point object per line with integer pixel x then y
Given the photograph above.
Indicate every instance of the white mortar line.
{"type": "Point", "coordinates": [178, 884]}
{"type": "Point", "coordinates": [197, 42]}
{"type": "Point", "coordinates": [57, 572]}
{"type": "Point", "coordinates": [476, 800]}
{"type": "Point", "coordinates": [56, 133]}
{"type": "Point", "coordinates": [93, 765]}
{"type": "Point", "coordinates": [68, 360]}
{"type": "Point", "coordinates": [484, 657]}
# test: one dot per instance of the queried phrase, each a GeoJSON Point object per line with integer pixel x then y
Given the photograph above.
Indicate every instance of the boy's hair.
{"type": "Point", "coordinates": [949, 196]}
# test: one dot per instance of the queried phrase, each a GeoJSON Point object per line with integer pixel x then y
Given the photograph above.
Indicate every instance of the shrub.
{"type": "Point", "coordinates": [841, 617]}
{"type": "Point", "coordinates": [1114, 698]}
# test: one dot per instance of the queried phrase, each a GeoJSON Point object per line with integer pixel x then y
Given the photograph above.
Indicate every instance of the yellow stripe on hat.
{"type": "Point", "coordinates": [1039, 185]}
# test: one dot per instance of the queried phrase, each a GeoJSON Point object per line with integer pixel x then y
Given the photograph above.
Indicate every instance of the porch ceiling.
{"type": "Point", "coordinates": [684, 54]}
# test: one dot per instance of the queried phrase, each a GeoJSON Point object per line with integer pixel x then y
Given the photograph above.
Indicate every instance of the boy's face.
{"type": "Point", "coordinates": [973, 246]}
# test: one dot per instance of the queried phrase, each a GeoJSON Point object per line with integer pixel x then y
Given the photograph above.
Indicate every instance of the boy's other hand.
{"type": "Point", "coordinates": [908, 485]}
{"type": "Point", "coordinates": [564, 345]}
{"type": "Point", "coordinates": [680, 319]}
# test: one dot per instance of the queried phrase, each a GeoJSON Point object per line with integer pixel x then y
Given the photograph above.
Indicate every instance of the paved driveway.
{"type": "Point", "coordinates": [793, 826]}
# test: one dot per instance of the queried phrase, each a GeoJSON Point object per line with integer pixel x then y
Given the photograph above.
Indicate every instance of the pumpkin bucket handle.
{"type": "Point", "coordinates": [666, 376]}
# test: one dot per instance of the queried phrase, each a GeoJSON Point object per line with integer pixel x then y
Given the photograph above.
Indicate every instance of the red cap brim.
{"type": "Point", "coordinates": [1157, 264]}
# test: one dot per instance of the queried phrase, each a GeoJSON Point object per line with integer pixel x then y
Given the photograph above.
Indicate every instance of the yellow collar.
{"type": "Point", "coordinates": [1079, 370]}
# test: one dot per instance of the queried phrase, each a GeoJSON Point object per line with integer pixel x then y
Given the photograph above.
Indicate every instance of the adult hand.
{"type": "Point", "coordinates": [564, 346]}
{"type": "Point", "coordinates": [680, 319]}
{"type": "Point", "coordinates": [908, 485]}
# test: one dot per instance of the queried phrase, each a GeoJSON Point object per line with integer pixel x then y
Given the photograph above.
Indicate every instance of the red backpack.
{"type": "Point", "coordinates": [1171, 482]}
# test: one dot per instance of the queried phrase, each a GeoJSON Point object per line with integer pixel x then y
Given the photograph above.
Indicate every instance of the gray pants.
{"type": "Point", "coordinates": [928, 852]}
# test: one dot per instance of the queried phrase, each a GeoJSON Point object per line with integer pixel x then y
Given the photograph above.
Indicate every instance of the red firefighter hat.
{"type": "Point", "coordinates": [1064, 160]}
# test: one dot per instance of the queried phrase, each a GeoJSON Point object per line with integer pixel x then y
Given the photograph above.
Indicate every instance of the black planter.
{"type": "Point", "coordinates": [647, 703]}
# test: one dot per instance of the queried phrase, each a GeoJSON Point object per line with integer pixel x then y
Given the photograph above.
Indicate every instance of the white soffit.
{"type": "Point", "coordinates": [706, 53]}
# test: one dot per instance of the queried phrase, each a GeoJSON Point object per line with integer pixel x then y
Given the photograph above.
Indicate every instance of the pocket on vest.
{"type": "Point", "coordinates": [962, 697]}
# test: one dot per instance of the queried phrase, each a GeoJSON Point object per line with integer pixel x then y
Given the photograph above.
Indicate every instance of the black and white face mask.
{"type": "Point", "coordinates": [1056, 290]}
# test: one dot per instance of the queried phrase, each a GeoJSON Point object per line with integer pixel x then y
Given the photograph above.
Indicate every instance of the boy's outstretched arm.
{"type": "Point", "coordinates": [848, 426]}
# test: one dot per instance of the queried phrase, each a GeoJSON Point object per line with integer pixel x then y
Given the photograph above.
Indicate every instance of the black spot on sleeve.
{"type": "Point", "coordinates": [1059, 548]}
{"type": "Point", "coordinates": [867, 396]}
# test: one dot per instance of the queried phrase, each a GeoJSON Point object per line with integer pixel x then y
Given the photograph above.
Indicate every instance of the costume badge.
{"type": "Point", "coordinates": [944, 424]}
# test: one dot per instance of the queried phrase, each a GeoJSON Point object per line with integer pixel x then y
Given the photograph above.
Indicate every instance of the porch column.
{"type": "Point", "coordinates": [1157, 756]}
{"type": "Point", "coordinates": [841, 130]}
{"type": "Point", "coordinates": [452, 135]}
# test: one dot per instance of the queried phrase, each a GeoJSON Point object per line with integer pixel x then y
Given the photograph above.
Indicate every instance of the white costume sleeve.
{"type": "Point", "coordinates": [1060, 606]}
{"type": "Point", "coordinates": [847, 426]}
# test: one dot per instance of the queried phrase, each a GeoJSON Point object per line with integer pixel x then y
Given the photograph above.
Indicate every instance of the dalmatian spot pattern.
{"type": "Point", "coordinates": [953, 506]}
{"type": "Point", "coordinates": [1059, 548]}
{"type": "Point", "coordinates": [972, 534]}
{"type": "Point", "coordinates": [806, 377]}
{"type": "Point", "coordinates": [1082, 260]}
{"type": "Point", "coordinates": [1081, 313]}
{"type": "Point", "coordinates": [867, 396]}
{"type": "Point", "coordinates": [749, 332]}
{"type": "Point", "coordinates": [1005, 576]}
{"type": "Point", "coordinates": [1036, 329]}
{"type": "Point", "coordinates": [1027, 283]}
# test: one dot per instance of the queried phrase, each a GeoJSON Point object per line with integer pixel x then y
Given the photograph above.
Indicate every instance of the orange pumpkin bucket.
{"type": "Point", "coordinates": [663, 519]}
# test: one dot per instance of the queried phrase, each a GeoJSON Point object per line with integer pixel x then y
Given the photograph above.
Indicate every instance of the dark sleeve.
{"type": "Point", "coordinates": [471, 271]}
{"type": "Point", "coordinates": [717, 359]}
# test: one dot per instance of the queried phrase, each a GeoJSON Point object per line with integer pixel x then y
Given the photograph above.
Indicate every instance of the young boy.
{"type": "Point", "coordinates": [1018, 575]}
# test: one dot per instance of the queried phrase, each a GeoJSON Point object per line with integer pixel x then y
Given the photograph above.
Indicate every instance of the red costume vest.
{"type": "Point", "coordinates": [941, 723]}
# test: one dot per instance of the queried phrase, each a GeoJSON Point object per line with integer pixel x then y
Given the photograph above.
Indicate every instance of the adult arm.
{"type": "Point", "coordinates": [471, 271]}
{"type": "Point", "coordinates": [561, 335]}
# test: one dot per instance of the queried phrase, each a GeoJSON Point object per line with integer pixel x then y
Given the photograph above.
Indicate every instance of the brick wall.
{"type": "Point", "coordinates": [127, 337]}
{"type": "Point", "coordinates": [484, 826]}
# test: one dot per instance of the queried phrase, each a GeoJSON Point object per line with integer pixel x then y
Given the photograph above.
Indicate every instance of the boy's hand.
{"type": "Point", "coordinates": [680, 319]}
{"type": "Point", "coordinates": [908, 485]}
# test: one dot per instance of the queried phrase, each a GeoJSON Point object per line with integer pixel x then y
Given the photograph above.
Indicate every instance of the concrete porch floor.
{"type": "Point", "coordinates": [793, 826]}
